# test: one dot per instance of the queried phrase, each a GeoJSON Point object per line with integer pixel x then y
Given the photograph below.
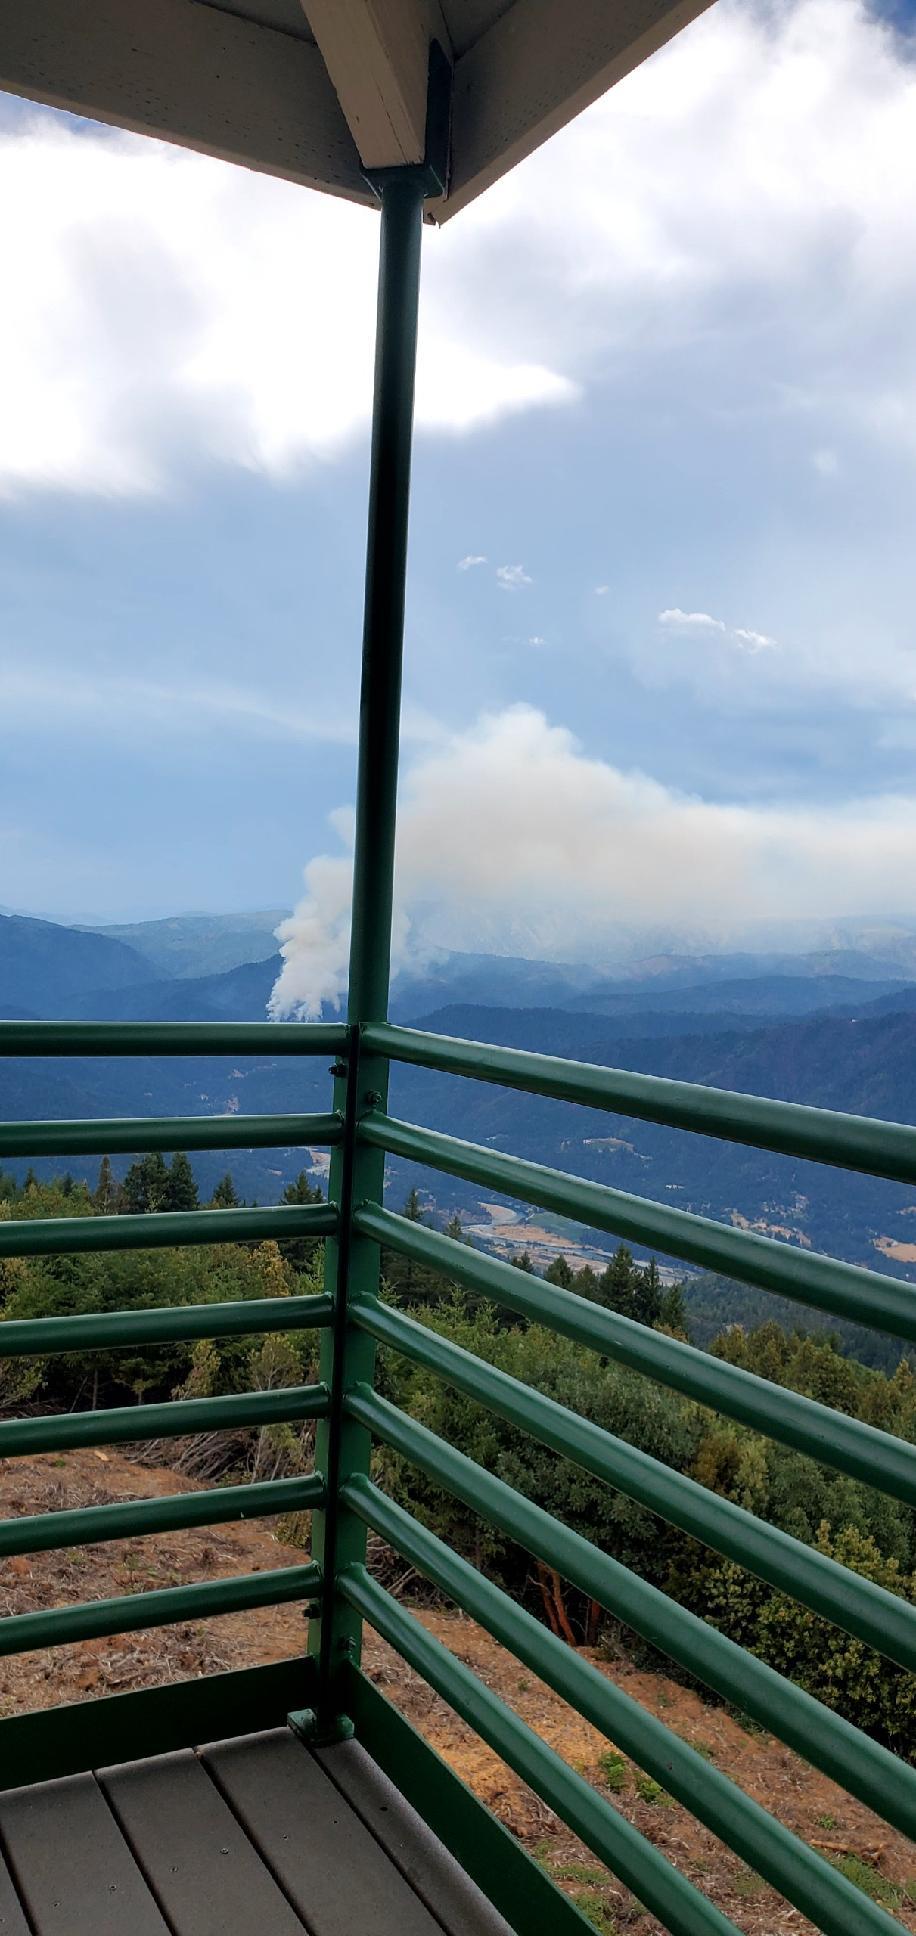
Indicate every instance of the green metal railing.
{"type": "Point", "coordinates": [327, 1691]}
{"type": "Point", "coordinates": [883, 1620]}
{"type": "Point", "coordinates": [354, 1319]}
{"type": "Point", "coordinates": [45, 1337]}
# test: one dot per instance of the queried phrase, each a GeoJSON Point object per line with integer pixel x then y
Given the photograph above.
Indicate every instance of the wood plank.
{"type": "Point", "coordinates": [12, 1920]}
{"type": "Point", "coordinates": [189, 74]}
{"type": "Point", "coordinates": [72, 1867]}
{"type": "Point", "coordinates": [325, 1859]}
{"type": "Point", "coordinates": [429, 1867]}
{"type": "Point", "coordinates": [377, 54]}
{"type": "Point", "coordinates": [535, 70]}
{"type": "Point", "coordinates": [207, 1877]}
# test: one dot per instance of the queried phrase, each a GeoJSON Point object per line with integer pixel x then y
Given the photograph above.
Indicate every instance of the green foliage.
{"type": "Point", "coordinates": [225, 1196]}
{"type": "Point", "coordinates": [302, 1252]}
{"type": "Point", "coordinates": [873, 1535]}
{"type": "Point", "coordinates": [869, 1880]}
{"type": "Point", "coordinates": [144, 1280]}
{"type": "Point", "coordinates": [145, 1185]}
{"type": "Point", "coordinates": [651, 1791]}
{"type": "Point", "coordinates": [615, 1770]}
{"type": "Point", "coordinates": [180, 1189]}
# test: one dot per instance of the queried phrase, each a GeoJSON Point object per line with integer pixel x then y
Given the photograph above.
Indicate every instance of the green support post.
{"type": "Point", "coordinates": [357, 1172]}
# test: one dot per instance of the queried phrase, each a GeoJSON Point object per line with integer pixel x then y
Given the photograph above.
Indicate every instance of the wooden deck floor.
{"type": "Point", "coordinates": [252, 1837]}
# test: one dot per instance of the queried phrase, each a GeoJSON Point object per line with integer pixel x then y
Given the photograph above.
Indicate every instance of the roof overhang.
{"type": "Point", "coordinates": [317, 91]}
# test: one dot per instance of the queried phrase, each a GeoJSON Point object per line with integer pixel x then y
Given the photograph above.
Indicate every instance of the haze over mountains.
{"type": "Point", "coordinates": [836, 1027]}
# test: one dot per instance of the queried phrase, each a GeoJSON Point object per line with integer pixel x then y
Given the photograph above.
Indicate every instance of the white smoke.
{"type": "Point", "coordinates": [510, 830]}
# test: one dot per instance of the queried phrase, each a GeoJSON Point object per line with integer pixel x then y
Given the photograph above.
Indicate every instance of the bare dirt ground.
{"type": "Point", "coordinates": [804, 1800]}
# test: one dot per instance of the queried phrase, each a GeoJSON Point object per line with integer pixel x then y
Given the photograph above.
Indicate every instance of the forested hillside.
{"type": "Point", "coordinates": [873, 1534]}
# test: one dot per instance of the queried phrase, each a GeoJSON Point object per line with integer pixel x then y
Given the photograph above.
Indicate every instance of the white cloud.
{"type": "Point", "coordinates": [675, 616]}
{"type": "Point", "coordinates": [513, 578]}
{"type": "Point", "coordinates": [754, 641]}
{"type": "Point", "coordinates": [601, 591]}
{"type": "Point", "coordinates": [746, 639]}
{"type": "Point", "coordinates": [473, 558]}
{"type": "Point", "coordinates": [161, 307]}
{"type": "Point", "coordinates": [536, 639]}
{"type": "Point", "coordinates": [511, 832]}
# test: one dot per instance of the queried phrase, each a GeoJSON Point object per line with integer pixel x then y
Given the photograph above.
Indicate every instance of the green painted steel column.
{"type": "Point", "coordinates": [357, 1171]}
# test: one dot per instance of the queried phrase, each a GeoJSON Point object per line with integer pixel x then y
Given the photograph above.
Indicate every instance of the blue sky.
{"type": "Point", "coordinates": [667, 397]}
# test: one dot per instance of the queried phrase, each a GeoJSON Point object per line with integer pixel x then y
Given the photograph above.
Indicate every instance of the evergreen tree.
{"type": "Point", "coordinates": [411, 1209]}
{"type": "Point", "coordinates": [523, 1262]}
{"type": "Point", "coordinates": [145, 1184]}
{"type": "Point", "coordinates": [181, 1189]}
{"type": "Point", "coordinates": [561, 1273]}
{"type": "Point", "coordinates": [105, 1197]}
{"type": "Point", "coordinates": [454, 1229]}
{"type": "Point", "coordinates": [224, 1196]}
{"type": "Point", "coordinates": [301, 1252]}
{"type": "Point", "coordinates": [618, 1282]}
{"type": "Point", "coordinates": [647, 1293]}
{"type": "Point", "coordinates": [673, 1314]}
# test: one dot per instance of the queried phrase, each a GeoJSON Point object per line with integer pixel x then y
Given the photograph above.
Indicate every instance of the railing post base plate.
{"type": "Point", "coordinates": [324, 1733]}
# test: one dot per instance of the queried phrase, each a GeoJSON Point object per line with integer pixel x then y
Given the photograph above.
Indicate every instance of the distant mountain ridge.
{"type": "Point", "coordinates": [201, 944]}
{"type": "Point", "coordinates": [44, 968]}
{"type": "Point", "coordinates": [813, 1036]}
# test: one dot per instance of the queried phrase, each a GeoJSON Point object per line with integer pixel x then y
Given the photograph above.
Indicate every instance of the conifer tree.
{"type": "Point", "coordinates": [301, 1252]}
{"type": "Point", "coordinates": [145, 1184]}
{"type": "Point", "coordinates": [225, 1196]}
{"type": "Point", "coordinates": [181, 1189]}
{"type": "Point", "coordinates": [105, 1196]}
{"type": "Point", "coordinates": [560, 1272]}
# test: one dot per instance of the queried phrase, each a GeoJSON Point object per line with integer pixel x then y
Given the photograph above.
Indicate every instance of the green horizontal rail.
{"type": "Point", "coordinates": [797, 1871]}
{"type": "Point", "coordinates": [881, 1619]}
{"type": "Point", "coordinates": [845, 1290]}
{"type": "Point", "coordinates": [849, 1757]}
{"type": "Point", "coordinates": [23, 1633]}
{"type": "Point", "coordinates": [173, 1038]}
{"type": "Point", "coordinates": [681, 1907]}
{"type": "Point", "coordinates": [165, 1229]}
{"type": "Point", "coordinates": [136, 1134]}
{"type": "Point", "coordinates": [178, 1418]}
{"type": "Point", "coordinates": [787, 1128]}
{"type": "Point", "coordinates": [123, 1330]}
{"type": "Point", "coordinates": [135, 1518]}
{"type": "Point", "coordinates": [876, 1458]}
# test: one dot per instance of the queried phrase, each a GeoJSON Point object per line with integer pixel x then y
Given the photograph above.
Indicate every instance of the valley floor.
{"type": "Point", "coordinates": [807, 1803]}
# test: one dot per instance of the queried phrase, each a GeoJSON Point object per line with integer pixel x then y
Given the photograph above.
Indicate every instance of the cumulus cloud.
{"type": "Point", "coordinates": [163, 309]}
{"type": "Point", "coordinates": [754, 641]}
{"type": "Point", "coordinates": [674, 616]}
{"type": "Point", "coordinates": [513, 578]}
{"type": "Point", "coordinates": [743, 636]}
{"type": "Point", "coordinates": [473, 558]}
{"type": "Point", "coordinates": [511, 831]}
{"type": "Point", "coordinates": [158, 303]}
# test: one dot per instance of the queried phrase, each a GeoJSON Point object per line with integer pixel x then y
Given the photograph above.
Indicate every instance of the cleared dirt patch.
{"type": "Point", "coordinates": [805, 1801]}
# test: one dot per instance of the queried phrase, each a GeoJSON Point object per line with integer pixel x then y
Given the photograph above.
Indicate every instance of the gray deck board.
{"type": "Point", "coordinates": [205, 1873]}
{"type": "Point", "coordinates": [72, 1867]}
{"type": "Point", "coordinates": [432, 1872]}
{"type": "Point", "coordinates": [252, 1837]}
{"type": "Point", "coordinates": [12, 1920]}
{"type": "Point", "coordinates": [329, 1864]}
